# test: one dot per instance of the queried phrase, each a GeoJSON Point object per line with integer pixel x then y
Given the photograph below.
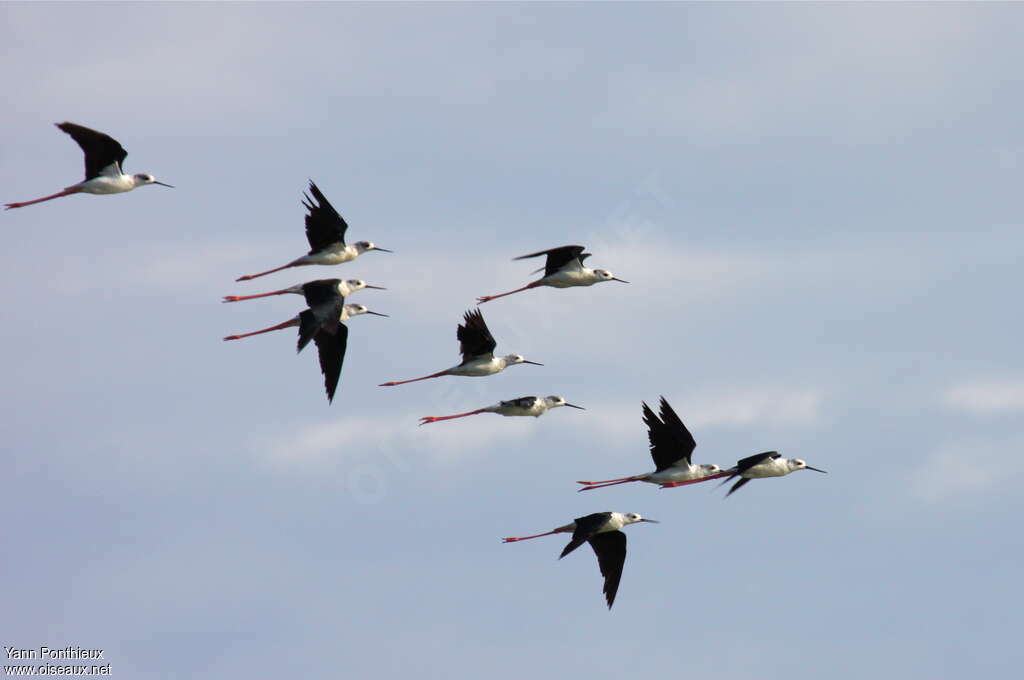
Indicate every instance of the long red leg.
{"type": "Point", "coordinates": [559, 530]}
{"type": "Point", "coordinates": [402, 382]}
{"type": "Point", "coordinates": [66, 192]}
{"type": "Point", "coordinates": [249, 277]}
{"type": "Point", "coordinates": [488, 298]}
{"type": "Point", "coordinates": [236, 298]}
{"type": "Point", "coordinates": [286, 324]}
{"type": "Point", "coordinates": [433, 419]}
{"type": "Point", "coordinates": [612, 482]}
{"type": "Point", "coordinates": [671, 485]}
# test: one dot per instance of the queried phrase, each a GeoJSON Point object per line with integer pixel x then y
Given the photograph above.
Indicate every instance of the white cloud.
{"type": "Point", "coordinates": [983, 397]}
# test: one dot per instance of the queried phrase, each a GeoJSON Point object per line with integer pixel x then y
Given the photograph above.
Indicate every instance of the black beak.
{"type": "Point", "coordinates": [163, 185]}
{"type": "Point", "coordinates": [532, 362]}
{"type": "Point", "coordinates": [619, 280]}
{"type": "Point", "coordinates": [575, 406]}
{"type": "Point", "coordinates": [377, 287]}
{"type": "Point", "coordinates": [652, 521]}
{"type": "Point", "coordinates": [383, 250]}
{"type": "Point", "coordinates": [375, 313]}
{"type": "Point", "coordinates": [816, 470]}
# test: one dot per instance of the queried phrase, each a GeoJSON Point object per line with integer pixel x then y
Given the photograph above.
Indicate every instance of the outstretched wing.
{"type": "Point", "coordinates": [322, 292]}
{"type": "Point", "coordinates": [585, 527]}
{"type": "Point", "coordinates": [665, 447]}
{"type": "Point", "coordinates": [324, 226]}
{"type": "Point", "coordinates": [558, 257]}
{"type": "Point", "coordinates": [610, 548]}
{"type": "Point", "coordinates": [330, 347]}
{"type": "Point", "coordinates": [325, 316]}
{"type": "Point", "coordinates": [736, 486]}
{"type": "Point", "coordinates": [100, 149]}
{"type": "Point", "coordinates": [685, 441]}
{"type": "Point", "coordinates": [750, 461]}
{"type": "Point", "coordinates": [475, 339]}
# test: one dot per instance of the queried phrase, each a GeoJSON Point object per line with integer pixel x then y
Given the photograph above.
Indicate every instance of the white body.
{"type": "Point", "coordinates": [335, 254]}
{"type": "Point", "coordinates": [108, 184]}
{"type": "Point", "coordinates": [477, 368]}
{"type": "Point", "coordinates": [568, 278]}
{"type": "Point", "coordinates": [776, 467]}
{"type": "Point", "coordinates": [345, 288]}
{"type": "Point", "coordinates": [680, 473]}
{"type": "Point", "coordinates": [540, 406]}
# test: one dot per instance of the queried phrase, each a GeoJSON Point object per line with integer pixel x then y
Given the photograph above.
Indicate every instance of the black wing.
{"type": "Point", "coordinates": [557, 257]}
{"type": "Point", "coordinates": [678, 431]}
{"type": "Point", "coordinates": [666, 449]}
{"type": "Point", "coordinates": [321, 292]}
{"type": "Point", "coordinates": [474, 338]}
{"type": "Point", "coordinates": [321, 318]}
{"type": "Point", "coordinates": [100, 150]}
{"type": "Point", "coordinates": [330, 347]}
{"type": "Point", "coordinates": [610, 548]}
{"type": "Point", "coordinates": [585, 528]}
{"type": "Point", "coordinates": [736, 486]}
{"type": "Point", "coordinates": [521, 402]}
{"type": "Point", "coordinates": [750, 461]}
{"type": "Point", "coordinates": [324, 226]}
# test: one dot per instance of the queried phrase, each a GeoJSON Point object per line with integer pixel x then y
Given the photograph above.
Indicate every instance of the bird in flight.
{"type": "Point", "coordinates": [477, 347]}
{"type": "Point", "coordinates": [104, 157]}
{"type": "Point", "coordinates": [325, 231]}
{"type": "Point", "coordinates": [602, 530]}
{"type": "Point", "coordinates": [563, 268]}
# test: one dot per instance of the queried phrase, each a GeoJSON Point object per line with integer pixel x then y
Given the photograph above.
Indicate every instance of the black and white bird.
{"type": "Point", "coordinates": [322, 323]}
{"type": "Point", "coordinates": [104, 157]}
{"type": "Point", "coordinates": [562, 269]}
{"type": "Point", "coordinates": [672, 447]}
{"type": "Point", "coordinates": [325, 231]}
{"type": "Point", "coordinates": [758, 466]}
{"type": "Point", "coordinates": [345, 288]}
{"type": "Point", "coordinates": [523, 406]}
{"type": "Point", "coordinates": [477, 347]}
{"type": "Point", "coordinates": [602, 531]}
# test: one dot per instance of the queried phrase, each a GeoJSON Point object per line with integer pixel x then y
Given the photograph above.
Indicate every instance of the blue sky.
{"type": "Point", "coordinates": [817, 206]}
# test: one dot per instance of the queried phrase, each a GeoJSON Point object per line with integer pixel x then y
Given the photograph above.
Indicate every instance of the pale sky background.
{"type": "Point", "coordinates": [819, 209]}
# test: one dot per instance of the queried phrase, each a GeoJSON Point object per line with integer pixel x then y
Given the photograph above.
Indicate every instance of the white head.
{"type": "Point", "coordinates": [513, 359]}
{"type": "Point", "coordinates": [797, 464]}
{"type": "Point", "coordinates": [633, 518]}
{"type": "Point", "coordinates": [366, 246]}
{"type": "Point", "coordinates": [350, 286]}
{"type": "Point", "coordinates": [356, 310]}
{"type": "Point", "coordinates": [555, 401]}
{"type": "Point", "coordinates": [605, 275]}
{"type": "Point", "coordinates": [708, 469]}
{"type": "Point", "coordinates": [142, 180]}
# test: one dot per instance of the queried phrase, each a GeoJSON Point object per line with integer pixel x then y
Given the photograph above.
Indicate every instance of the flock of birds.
{"type": "Point", "coordinates": [671, 444]}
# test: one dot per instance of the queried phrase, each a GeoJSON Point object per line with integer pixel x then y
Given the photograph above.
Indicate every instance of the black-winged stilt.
{"type": "Point", "coordinates": [477, 347]}
{"type": "Point", "coordinates": [760, 465]}
{"type": "Point", "coordinates": [325, 231]}
{"type": "Point", "coordinates": [562, 269]}
{"type": "Point", "coordinates": [672, 447]}
{"type": "Point", "coordinates": [103, 159]}
{"type": "Point", "coordinates": [523, 406]}
{"type": "Point", "coordinates": [322, 323]}
{"type": "Point", "coordinates": [602, 531]}
{"type": "Point", "coordinates": [345, 288]}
